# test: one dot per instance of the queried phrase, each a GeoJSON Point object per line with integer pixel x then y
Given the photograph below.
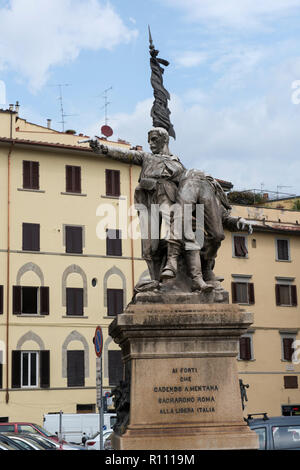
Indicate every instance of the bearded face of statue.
{"type": "Point", "coordinates": [158, 142]}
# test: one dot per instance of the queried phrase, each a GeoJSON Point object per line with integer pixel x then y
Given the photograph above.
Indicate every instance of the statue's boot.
{"type": "Point", "coordinates": [207, 270]}
{"type": "Point", "coordinates": [170, 269]}
{"type": "Point", "coordinates": [193, 263]}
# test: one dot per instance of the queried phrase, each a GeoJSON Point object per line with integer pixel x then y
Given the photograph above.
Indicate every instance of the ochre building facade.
{"type": "Point", "coordinates": [63, 274]}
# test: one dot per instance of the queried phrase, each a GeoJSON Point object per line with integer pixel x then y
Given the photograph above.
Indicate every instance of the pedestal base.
{"type": "Point", "coordinates": [180, 360]}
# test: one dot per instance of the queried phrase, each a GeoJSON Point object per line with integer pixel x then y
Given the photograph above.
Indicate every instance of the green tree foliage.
{"type": "Point", "coordinates": [247, 198]}
{"type": "Point", "coordinates": [296, 205]}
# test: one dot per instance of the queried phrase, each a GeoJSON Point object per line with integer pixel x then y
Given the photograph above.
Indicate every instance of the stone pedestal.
{"type": "Point", "coordinates": [180, 360]}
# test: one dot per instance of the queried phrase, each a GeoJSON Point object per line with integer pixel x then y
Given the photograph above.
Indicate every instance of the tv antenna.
{"type": "Point", "coordinates": [106, 103]}
{"type": "Point", "coordinates": [60, 99]}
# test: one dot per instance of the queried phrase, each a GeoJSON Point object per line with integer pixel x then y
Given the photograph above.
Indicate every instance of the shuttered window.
{"type": "Point", "coordinates": [290, 381]}
{"type": "Point", "coordinates": [73, 179]}
{"type": "Point", "coordinates": [288, 350]}
{"type": "Point", "coordinates": [30, 369]}
{"type": "Point", "coordinates": [283, 250]}
{"type": "Point", "coordinates": [114, 301]}
{"type": "Point", "coordinates": [30, 300]}
{"type": "Point", "coordinates": [75, 368]}
{"type": "Point", "coordinates": [73, 239]}
{"type": "Point", "coordinates": [243, 293]}
{"type": "Point", "coordinates": [240, 248]}
{"type": "Point", "coordinates": [245, 348]}
{"type": "Point", "coordinates": [114, 242]}
{"type": "Point", "coordinates": [31, 175]}
{"type": "Point", "coordinates": [1, 369]}
{"type": "Point", "coordinates": [115, 367]}
{"type": "Point", "coordinates": [1, 300]}
{"type": "Point", "coordinates": [286, 295]}
{"type": "Point", "coordinates": [112, 180]}
{"type": "Point", "coordinates": [31, 237]}
{"type": "Point", "coordinates": [74, 301]}
{"type": "Point", "coordinates": [44, 369]}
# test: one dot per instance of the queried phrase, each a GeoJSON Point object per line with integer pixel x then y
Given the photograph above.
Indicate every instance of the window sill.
{"type": "Point", "coordinates": [74, 316]}
{"type": "Point", "coordinates": [31, 190]}
{"type": "Point", "coordinates": [31, 315]}
{"type": "Point", "coordinates": [246, 360]}
{"type": "Point", "coordinates": [108, 317]}
{"type": "Point", "coordinates": [112, 197]}
{"type": "Point", "coordinates": [73, 194]}
{"type": "Point", "coordinates": [240, 257]}
{"type": "Point", "coordinates": [283, 260]}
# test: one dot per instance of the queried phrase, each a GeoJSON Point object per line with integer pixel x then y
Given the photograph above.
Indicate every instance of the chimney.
{"type": "Point", "coordinates": [17, 107]}
{"type": "Point", "coordinates": [11, 107]}
{"type": "Point", "coordinates": [49, 123]}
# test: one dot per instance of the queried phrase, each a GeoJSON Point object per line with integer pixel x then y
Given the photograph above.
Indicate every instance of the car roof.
{"type": "Point", "coordinates": [280, 420]}
{"type": "Point", "coordinates": [18, 422]}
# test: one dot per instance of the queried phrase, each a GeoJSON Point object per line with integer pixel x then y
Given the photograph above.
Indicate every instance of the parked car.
{"type": "Point", "coordinates": [49, 444]}
{"type": "Point", "coordinates": [9, 442]}
{"type": "Point", "coordinates": [94, 442]}
{"type": "Point", "coordinates": [276, 433]}
{"type": "Point", "coordinates": [22, 427]}
{"type": "Point", "coordinates": [24, 441]}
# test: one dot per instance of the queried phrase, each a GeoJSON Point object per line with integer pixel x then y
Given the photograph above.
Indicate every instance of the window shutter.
{"type": "Point", "coordinates": [108, 182]}
{"type": "Point", "coordinates": [233, 293]}
{"type": "Point", "coordinates": [35, 167]}
{"type": "Point", "coordinates": [69, 186]}
{"type": "Point", "coordinates": [115, 367]}
{"type": "Point", "coordinates": [277, 294]}
{"type": "Point", "coordinates": [245, 348]}
{"type": "Point", "coordinates": [112, 182]}
{"type": "Point", "coordinates": [16, 369]}
{"type": "Point", "coordinates": [240, 246]}
{"type": "Point", "coordinates": [114, 242]}
{"type": "Point", "coordinates": [74, 301]}
{"type": "Point", "coordinates": [44, 369]}
{"type": "Point", "coordinates": [282, 250]}
{"type": "Point", "coordinates": [290, 381]}
{"type": "Point", "coordinates": [1, 300]}
{"type": "Point", "coordinates": [1, 374]}
{"type": "Point", "coordinates": [294, 295]}
{"type": "Point", "coordinates": [119, 301]}
{"type": "Point", "coordinates": [251, 293]}
{"type": "Point", "coordinates": [73, 239]}
{"type": "Point", "coordinates": [116, 183]}
{"type": "Point", "coordinates": [75, 368]}
{"type": "Point", "coordinates": [17, 293]}
{"type": "Point", "coordinates": [77, 179]}
{"type": "Point", "coordinates": [26, 174]}
{"type": "Point", "coordinates": [31, 237]}
{"type": "Point", "coordinates": [114, 301]}
{"type": "Point", "coordinates": [287, 349]}
{"type": "Point", "coordinates": [44, 300]}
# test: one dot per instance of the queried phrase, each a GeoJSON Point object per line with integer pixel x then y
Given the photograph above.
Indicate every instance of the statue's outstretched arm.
{"type": "Point", "coordinates": [122, 155]}
{"type": "Point", "coordinates": [235, 223]}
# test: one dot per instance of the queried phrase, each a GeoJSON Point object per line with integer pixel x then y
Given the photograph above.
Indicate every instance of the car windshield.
{"type": "Point", "coordinates": [286, 437]}
{"type": "Point", "coordinates": [25, 445]}
{"type": "Point", "coordinates": [39, 442]}
{"type": "Point", "coordinates": [44, 431]}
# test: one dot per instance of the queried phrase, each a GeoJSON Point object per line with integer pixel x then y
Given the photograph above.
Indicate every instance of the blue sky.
{"type": "Point", "coordinates": [232, 66]}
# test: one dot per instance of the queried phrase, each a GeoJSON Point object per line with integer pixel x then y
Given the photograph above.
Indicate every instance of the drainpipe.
{"type": "Point", "coordinates": [8, 266]}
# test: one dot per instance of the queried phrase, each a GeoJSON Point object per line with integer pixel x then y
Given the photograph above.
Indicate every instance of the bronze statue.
{"type": "Point", "coordinates": [164, 190]}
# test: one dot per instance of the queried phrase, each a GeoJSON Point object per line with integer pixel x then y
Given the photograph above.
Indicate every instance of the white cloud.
{"type": "Point", "coordinates": [247, 143]}
{"type": "Point", "coordinates": [237, 13]}
{"type": "Point", "coordinates": [190, 58]}
{"type": "Point", "coordinates": [36, 35]}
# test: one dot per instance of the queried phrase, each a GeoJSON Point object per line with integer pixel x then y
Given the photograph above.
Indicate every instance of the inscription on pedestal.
{"type": "Point", "coordinates": [190, 397]}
